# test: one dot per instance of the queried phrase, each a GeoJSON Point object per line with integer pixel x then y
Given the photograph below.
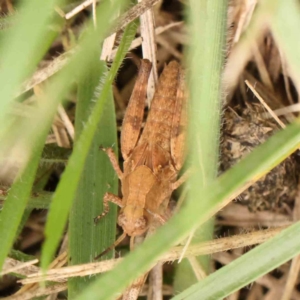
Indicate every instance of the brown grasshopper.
{"type": "Point", "coordinates": [153, 158]}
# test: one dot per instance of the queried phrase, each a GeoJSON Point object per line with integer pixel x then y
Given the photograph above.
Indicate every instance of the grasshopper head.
{"type": "Point", "coordinates": [133, 221]}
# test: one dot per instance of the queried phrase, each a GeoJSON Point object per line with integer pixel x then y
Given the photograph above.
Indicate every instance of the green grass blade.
{"type": "Point", "coordinates": [195, 213]}
{"type": "Point", "coordinates": [15, 203]}
{"type": "Point", "coordinates": [37, 200]}
{"type": "Point", "coordinates": [16, 200]}
{"type": "Point", "coordinates": [206, 61]}
{"type": "Point", "coordinates": [33, 135]}
{"type": "Point", "coordinates": [248, 267]}
{"type": "Point", "coordinates": [284, 25]}
{"type": "Point", "coordinates": [85, 239]}
{"type": "Point", "coordinates": [60, 84]}
{"type": "Point", "coordinates": [15, 66]}
{"type": "Point", "coordinates": [18, 255]}
{"type": "Point", "coordinates": [33, 34]}
{"type": "Point", "coordinates": [206, 58]}
{"type": "Point", "coordinates": [68, 185]}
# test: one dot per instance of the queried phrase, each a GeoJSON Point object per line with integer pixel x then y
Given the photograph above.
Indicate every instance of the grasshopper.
{"type": "Point", "coordinates": [153, 158]}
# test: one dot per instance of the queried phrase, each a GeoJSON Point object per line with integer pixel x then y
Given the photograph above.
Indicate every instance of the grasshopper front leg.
{"type": "Point", "coordinates": [114, 161]}
{"type": "Point", "coordinates": [108, 197]}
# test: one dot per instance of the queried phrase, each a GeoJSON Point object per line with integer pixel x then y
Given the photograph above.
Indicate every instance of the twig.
{"type": "Point", "coordinates": [261, 66]}
{"type": "Point", "coordinates": [33, 294]}
{"type": "Point", "coordinates": [43, 74]}
{"type": "Point", "coordinates": [133, 13]}
{"type": "Point", "coordinates": [66, 121]}
{"type": "Point", "coordinates": [292, 279]}
{"type": "Point", "coordinates": [210, 247]}
{"type": "Point", "coordinates": [138, 41]}
{"type": "Point", "coordinates": [149, 49]}
{"type": "Point", "coordinates": [78, 9]}
{"type": "Point", "coordinates": [264, 104]}
{"type": "Point", "coordinates": [12, 265]}
{"type": "Point", "coordinates": [295, 265]}
{"type": "Point", "coordinates": [156, 282]}
{"type": "Point", "coordinates": [94, 13]}
{"type": "Point", "coordinates": [197, 268]}
{"type": "Point", "coordinates": [286, 110]}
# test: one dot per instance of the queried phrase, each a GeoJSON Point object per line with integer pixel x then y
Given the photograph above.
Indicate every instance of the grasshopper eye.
{"type": "Point", "coordinates": [131, 226]}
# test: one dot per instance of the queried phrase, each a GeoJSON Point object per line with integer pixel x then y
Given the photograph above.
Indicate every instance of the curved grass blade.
{"type": "Point", "coordinates": [15, 66]}
{"type": "Point", "coordinates": [33, 37]}
{"type": "Point", "coordinates": [248, 267]}
{"type": "Point", "coordinates": [284, 26]}
{"type": "Point", "coordinates": [205, 80]}
{"type": "Point", "coordinates": [32, 135]}
{"type": "Point", "coordinates": [15, 203]}
{"type": "Point", "coordinates": [24, 137]}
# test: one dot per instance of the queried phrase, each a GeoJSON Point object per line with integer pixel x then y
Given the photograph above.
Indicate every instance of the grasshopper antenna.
{"type": "Point", "coordinates": [115, 244]}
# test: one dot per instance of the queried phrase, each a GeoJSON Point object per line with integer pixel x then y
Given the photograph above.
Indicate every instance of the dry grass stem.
{"type": "Point", "coordinates": [240, 216]}
{"type": "Point", "coordinates": [46, 72]}
{"type": "Point", "coordinates": [241, 52]}
{"type": "Point", "coordinates": [134, 13]}
{"type": "Point", "coordinates": [72, 271]}
{"type": "Point", "coordinates": [261, 66]}
{"type": "Point", "coordinates": [50, 139]}
{"type": "Point", "coordinates": [94, 13]}
{"type": "Point", "coordinates": [293, 273]}
{"type": "Point", "coordinates": [138, 41]}
{"type": "Point", "coordinates": [155, 291]}
{"type": "Point", "coordinates": [286, 78]}
{"type": "Point", "coordinates": [109, 42]}
{"type": "Point", "coordinates": [133, 291]}
{"type": "Point", "coordinates": [149, 49]}
{"type": "Point", "coordinates": [218, 245]}
{"type": "Point", "coordinates": [32, 294]}
{"type": "Point", "coordinates": [197, 268]}
{"type": "Point", "coordinates": [294, 108]}
{"type": "Point", "coordinates": [292, 279]}
{"type": "Point", "coordinates": [246, 10]}
{"type": "Point", "coordinates": [66, 121]}
{"type": "Point", "coordinates": [187, 244]}
{"type": "Point", "coordinates": [79, 8]}
{"type": "Point", "coordinates": [24, 268]}
{"type": "Point", "coordinates": [107, 47]}
{"type": "Point", "coordinates": [262, 101]}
